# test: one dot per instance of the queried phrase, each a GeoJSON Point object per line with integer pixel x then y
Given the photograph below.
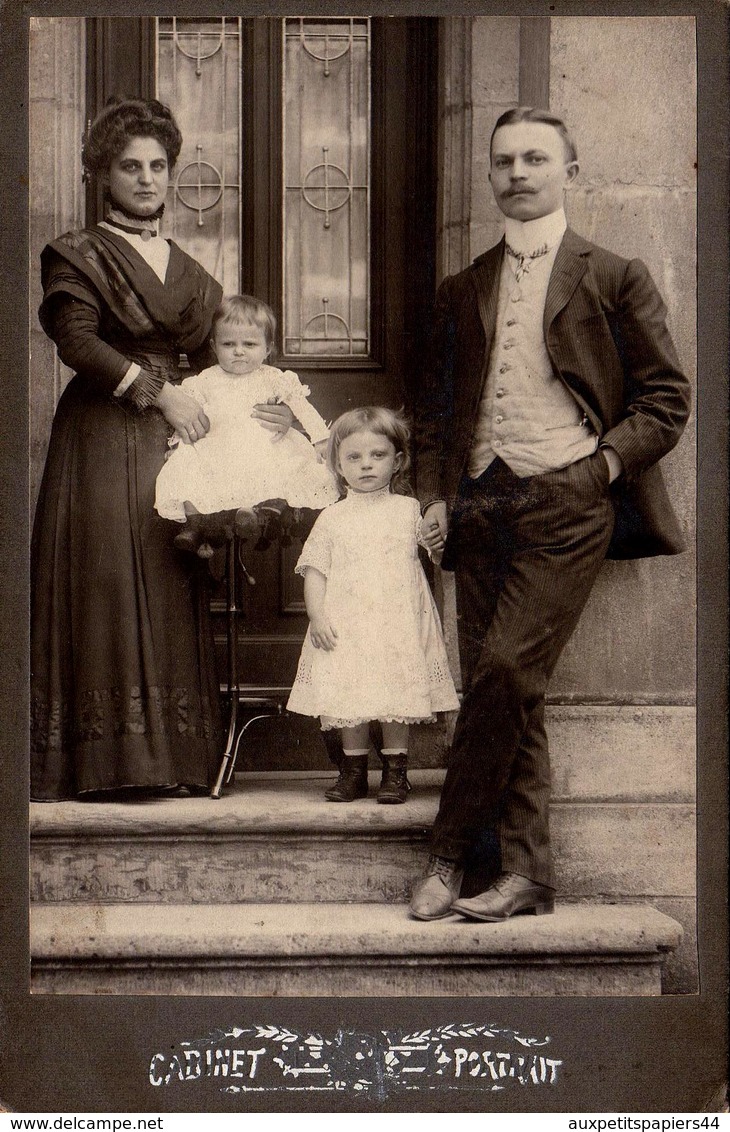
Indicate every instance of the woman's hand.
{"type": "Point", "coordinates": [184, 413]}
{"type": "Point", "coordinates": [323, 634]}
{"type": "Point", "coordinates": [274, 416]}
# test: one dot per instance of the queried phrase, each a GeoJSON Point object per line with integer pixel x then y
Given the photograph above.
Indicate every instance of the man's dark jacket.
{"type": "Point", "coordinates": [607, 339]}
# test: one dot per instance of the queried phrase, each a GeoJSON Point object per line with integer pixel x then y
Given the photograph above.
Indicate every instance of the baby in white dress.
{"type": "Point", "coordinates": [374, 650]}
{"type": "Point", "coordinates": [241, 467]}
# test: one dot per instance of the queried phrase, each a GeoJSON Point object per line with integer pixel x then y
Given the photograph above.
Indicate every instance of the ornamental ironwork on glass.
{"type": "Point", "coordinates": [326, 188]}
{"type": "Point", "coordinates": [199, 75]}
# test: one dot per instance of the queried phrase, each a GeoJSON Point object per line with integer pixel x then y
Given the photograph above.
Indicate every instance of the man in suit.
{"type": "Point", "coordinates": [554, 390]}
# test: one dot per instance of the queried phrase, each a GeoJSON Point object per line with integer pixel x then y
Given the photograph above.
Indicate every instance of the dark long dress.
{"type": "Point", "coordinates": [123, 684]}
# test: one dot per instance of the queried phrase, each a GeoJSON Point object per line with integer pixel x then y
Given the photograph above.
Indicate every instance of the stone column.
{"type": "Point", "coordinates": [495, 88]}
{"type": "Point", "coordinates": [455, 145]}
{"type": "Point", "coordinates": [57, 78]}
{"type": "Point", "coordinates": [453, 217]}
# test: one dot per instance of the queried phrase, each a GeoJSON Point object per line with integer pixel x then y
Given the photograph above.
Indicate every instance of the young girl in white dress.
{"type": "Point", "coordinates": [374, 650]}
{"type": "Point", "coordinates": [239, 468]}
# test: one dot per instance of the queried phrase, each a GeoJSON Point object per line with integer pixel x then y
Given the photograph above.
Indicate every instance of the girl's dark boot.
{"type": "Point", "coordinates": [394, 784]}
{"type": "Point", "coordinates": [353, 780]}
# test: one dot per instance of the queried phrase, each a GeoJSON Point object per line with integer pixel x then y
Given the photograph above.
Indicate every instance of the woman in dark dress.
{"type": "Point", "coordinates": [124, 693]}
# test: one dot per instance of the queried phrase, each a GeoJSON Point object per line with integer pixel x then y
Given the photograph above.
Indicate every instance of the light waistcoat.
{"type": "Point", "coordinates": [526, 415]}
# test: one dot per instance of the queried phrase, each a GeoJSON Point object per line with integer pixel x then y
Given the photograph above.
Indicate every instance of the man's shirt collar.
{"type": "Point", "coordinates": [529, 236]}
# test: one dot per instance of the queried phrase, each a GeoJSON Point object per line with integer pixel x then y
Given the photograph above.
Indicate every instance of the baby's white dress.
{"type": "Point", "coordinates": [239, 462]}
{"type": "Point", "coordinates": [390, 661]}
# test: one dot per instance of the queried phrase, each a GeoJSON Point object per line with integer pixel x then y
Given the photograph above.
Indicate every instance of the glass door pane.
{"type": "Point", "coordinates": [326, 188]}
{"type": "Point", "coordinates": [199, 77]}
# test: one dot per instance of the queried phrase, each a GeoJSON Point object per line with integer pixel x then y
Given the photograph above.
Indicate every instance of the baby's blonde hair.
{"type": "Point", "coordinates": [237, 309]}
{"type": "Point", "coordinates": [385, 422]}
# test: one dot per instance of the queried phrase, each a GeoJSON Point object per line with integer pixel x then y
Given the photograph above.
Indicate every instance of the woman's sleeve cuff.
{"type": "Point", "coordinates": [131, 374]}
{"type": "Point", "coordinates": [144, 389]}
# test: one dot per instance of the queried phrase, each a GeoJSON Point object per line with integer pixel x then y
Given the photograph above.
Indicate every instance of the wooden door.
{"type": "Point", "coordinates": [307, 178]}
{"type": "Point", "coordinates": [297, 178]}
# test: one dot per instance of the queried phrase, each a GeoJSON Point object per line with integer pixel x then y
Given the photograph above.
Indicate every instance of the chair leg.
{"type": "Point", "coordinates": [225, 771]}
{"type": "Point", "coordinates": [236, 575]}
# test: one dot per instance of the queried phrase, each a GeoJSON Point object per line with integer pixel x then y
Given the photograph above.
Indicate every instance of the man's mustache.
{"type": "Point", "coordinates": [515, 192]}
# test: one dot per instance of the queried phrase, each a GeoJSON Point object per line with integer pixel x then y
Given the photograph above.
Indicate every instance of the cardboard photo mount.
{"type": "Point", "coordinates": [108, 1053]}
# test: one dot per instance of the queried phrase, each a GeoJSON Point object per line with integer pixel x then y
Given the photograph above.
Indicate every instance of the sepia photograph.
{"type": "Point", "coordinates": [366, 513]}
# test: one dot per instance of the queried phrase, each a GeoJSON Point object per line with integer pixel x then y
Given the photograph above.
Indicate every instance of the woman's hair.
{"type": "Point", "coordinates": [121, 120]}
{"type": "Point", "coordinates": [385, 422]}
{"type": "Point", "coordinates": [245, 308]}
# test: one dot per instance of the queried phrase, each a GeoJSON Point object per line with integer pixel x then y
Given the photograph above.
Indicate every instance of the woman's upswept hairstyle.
{"type": "Point", "coordinates": [122, 119]}
{"type": "Point", "coordinates": [377, 419]}
{"type": "Point", "coordinates": [236, 309]}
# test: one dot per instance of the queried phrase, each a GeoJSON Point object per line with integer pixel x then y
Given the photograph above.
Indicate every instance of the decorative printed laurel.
{"type": "Point", "coordinates": [453, 1056]}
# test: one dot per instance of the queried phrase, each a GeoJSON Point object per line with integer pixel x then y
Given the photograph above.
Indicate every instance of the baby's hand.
{"type": "Point", "coordinates": [323, 634]}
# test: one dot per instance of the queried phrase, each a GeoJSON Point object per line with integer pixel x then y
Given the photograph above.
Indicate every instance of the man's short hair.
{"type": "Point", "coordinates": [533, 114]}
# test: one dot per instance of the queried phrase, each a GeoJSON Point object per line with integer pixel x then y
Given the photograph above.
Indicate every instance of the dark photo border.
{"type": "Point", "coordinates": [92, 1053]}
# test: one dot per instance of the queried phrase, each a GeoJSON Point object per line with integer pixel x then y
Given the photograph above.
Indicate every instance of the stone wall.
{"type": "Point", "coordinates": [635, 129]}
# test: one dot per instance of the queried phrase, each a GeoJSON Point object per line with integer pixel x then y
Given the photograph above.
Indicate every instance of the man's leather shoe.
{"type": "Point", "coordinates": [508, 896]}
{"type": "Point", "coordinates": [435, 894]}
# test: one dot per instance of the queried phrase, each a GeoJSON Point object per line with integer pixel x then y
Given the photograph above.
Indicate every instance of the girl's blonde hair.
{"type": "Point", "coordinates": [238, 309]}
{"type": "Point", "coordinates": [385, 422]}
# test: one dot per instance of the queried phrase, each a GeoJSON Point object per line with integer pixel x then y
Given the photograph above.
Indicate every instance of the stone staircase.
{"type": "Point", "coordinates": [273, 891]}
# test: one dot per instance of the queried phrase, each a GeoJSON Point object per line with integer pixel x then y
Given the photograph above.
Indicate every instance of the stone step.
{"type": "Point", "coordinates": [349, 950]}
{"type": "Point", "coordinates": [584, 741]}
{"type": "Point", "coordinates": [274, 839]}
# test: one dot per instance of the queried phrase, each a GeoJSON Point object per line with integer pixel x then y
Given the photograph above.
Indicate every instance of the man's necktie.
{"type": "Point", "coordinates": [524, 259]}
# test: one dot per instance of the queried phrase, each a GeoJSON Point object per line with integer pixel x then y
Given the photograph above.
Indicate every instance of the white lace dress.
{"type": "Point", "coordinates": [239, 462]}
{"type": "Point", "coordinates": [390, 662]}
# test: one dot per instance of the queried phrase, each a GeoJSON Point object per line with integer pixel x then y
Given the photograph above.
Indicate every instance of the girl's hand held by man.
{"type": "Point", "coordinates": [434, 526]}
